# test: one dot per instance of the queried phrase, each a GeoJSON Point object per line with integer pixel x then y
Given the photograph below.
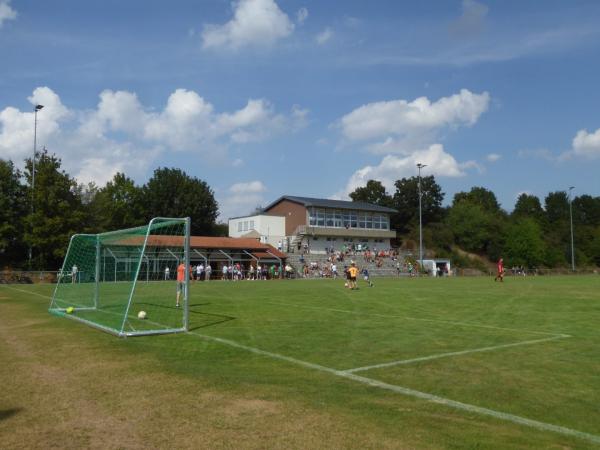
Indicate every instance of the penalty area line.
{"type": "Point", "coordinates": [458, 353]}
{"type": "Point", "coordinates": [542, 426]}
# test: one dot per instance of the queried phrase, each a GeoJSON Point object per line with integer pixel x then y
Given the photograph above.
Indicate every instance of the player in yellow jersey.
{"type": "Point", "coordinates": [352, 274]}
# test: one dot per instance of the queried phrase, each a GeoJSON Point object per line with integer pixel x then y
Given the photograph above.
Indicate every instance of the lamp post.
{"type": "Point", "coordinates": [420, 166]}
{"type": "Point", "coordinates": [35, 111]}
{"type": "Point", "coordinates": [571, 218]}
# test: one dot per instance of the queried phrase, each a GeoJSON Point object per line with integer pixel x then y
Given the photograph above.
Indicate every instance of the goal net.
{"type": "Point", "coordinates": [125, 281]}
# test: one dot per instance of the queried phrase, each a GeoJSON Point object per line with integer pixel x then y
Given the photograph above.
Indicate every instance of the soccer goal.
{"type": "Point", "coordinates": [125, 282]}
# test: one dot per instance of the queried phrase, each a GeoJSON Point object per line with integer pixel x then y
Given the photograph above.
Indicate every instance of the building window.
{"type": "Point", "coordinates": [239, 227]}
{"type": "Point", "coordinates": [251, 226]}
{"type": "Point", "coordinates": [353, 219]}
{"type": "Point", "coordinates": [320, 217]}
{"type": "Point", "coordinates": [338, 219]}
{"type": "Point", "coordinates": [385, 223]}
{"type": "Point", "coordinates": [312, 216]}
{"type": "Point", "coordinates": [329, 218]}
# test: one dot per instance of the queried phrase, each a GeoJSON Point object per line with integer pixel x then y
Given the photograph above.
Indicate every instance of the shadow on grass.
{"type": "Point", "coordinates": [8, 413]}
{"type": "Point", "coordinates": [208, 319]}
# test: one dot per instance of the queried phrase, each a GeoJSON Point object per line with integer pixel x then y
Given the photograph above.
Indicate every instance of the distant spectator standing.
{"type": "Point", "coordinates": [167, 273]}
{"type": "Point", "coordinates": [207, 272]}
{"type": "Point", "coordinates": [74, 271]}
{"type": "Point", "coordinates": [224, 271]}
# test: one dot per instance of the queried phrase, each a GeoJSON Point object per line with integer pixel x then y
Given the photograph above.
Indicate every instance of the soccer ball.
{"type": "Point", "coordinates": [345, 284]}
{"type": "Point", "coordinates": [70, 310]}
{"type": "Point", "coordinates": [142, 315]}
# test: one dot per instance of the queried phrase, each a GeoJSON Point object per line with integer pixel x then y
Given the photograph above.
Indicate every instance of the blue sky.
{"type": "Point", "coordinates": [262, 98]}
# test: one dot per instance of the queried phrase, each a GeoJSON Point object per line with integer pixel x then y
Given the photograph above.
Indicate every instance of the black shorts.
{"type": "Point", "coordinates": [352, 278]}
{"type": "Point", "coordinates": [348, 276]}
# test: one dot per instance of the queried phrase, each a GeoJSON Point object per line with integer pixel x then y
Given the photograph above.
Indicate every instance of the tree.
{"type": "Point", "coordinates": [172, 193]}
{"type": "Point", "coordinates": [13, 207]}
{"type": "Point", "coordinates": [557, 207]}
{"type": "Point", "coordinates": [483, 197]}
{"type": "Point", "coordinates": [524, 244]}
{"type": "Point", "coordinates": [557, 228]}
{"type": "Point", "coordinates": [374, 192]}
{"type": "Point", "coordinates": [406, 202]}
{"type": "Point", "coordinates": [528, 206]}
{"type": "Point", "coordinates": [58, 212]}
{"type": "Point", "coordinates": [117, 205]}
{"type": "Point", "coordinates": [478, 222]}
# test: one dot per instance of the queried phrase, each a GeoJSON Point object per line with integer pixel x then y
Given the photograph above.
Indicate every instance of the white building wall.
{"type": "Point", "coordinates": [270, 228]}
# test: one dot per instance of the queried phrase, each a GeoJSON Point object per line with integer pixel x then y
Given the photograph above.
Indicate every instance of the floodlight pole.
{"type": "Point", "coordinates": [35, 111]}
{"type": "Point", "coordinates": [420, 166]}
{"type": "Point", "coordinates": [571, 219]}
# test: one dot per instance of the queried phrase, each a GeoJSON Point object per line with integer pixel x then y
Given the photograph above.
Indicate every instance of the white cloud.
{"type": "Point", "coordinates": [324, 36]}
{"type": "Point", "coordinates": [392, 168]}
{"type": "Point", "coordinates": [254, 23]}
{"type": "Point", "coordinates": [493, 157]}
{"type": "Point", "coordinates": [586, 145]}
{"type": "Point", "coordinates": [6, 12]}
{"type": "Point", "coordinates": [241, 199]}
{"type": "Point", "coordinates": [413, 120]}
{"type": "Point", "coordinates": [252, 187]}
{"type": "Point", "coordinates": [121, 134]}
{"type": "Point", "coordinates": [301, 15]}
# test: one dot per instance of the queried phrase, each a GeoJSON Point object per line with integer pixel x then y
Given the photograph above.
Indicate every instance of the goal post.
{"type": "Point", "coordinates": [117, 282]}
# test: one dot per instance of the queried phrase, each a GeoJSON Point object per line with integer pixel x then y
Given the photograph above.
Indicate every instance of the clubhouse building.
{"type": "Point", "coordinates": [294, 223]}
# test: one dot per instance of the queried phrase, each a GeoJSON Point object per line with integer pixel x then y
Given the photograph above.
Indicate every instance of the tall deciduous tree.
{"type": "Point", "coordinates": [557, 228]}
{"type": "Point", "coordinates": [374, 192]}
{"type": "Point", "coordinates": [117, 205]}
{"type": "Point", "coordinates": [525, 245]}
{"type": "Point", "coordinates": [172, 193]}
{"type": "Point", "coordinates": [483, 197]}
{"type": "Point", "coordinates": [406, 201]}
{"type": "Point", "coordinates": [478, 222]}
{"type": "Point", "coordinates": [528, 206]}
{"type": "Point", "coordinates": [13, 207]}
{"type": "Point", "coordinates": [58, 212]}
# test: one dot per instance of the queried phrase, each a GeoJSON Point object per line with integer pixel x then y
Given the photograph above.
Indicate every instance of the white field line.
{"type": "Point", "coordinates": [464, 324]}
{"type": "Point", "coordinates": [445, 355]}
{"type": "Point", "coordinates": [543, 426]}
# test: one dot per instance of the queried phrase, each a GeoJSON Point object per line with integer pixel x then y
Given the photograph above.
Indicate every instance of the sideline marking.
{"type": "Point", "coordinates": [543, 426]}
{"type": "Point", "coordinates": [444, 355]}
{"type": "Point", "coordinates": [465, 324]}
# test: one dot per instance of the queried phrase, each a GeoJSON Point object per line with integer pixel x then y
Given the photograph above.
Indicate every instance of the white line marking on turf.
{"type": "Point", "coordinates": [543, 426]}
{"type": "Point", "coordinates": [444, 355]}
{"type": "Point", "coordinates": [26, 292]}
{"type": "Point", "coordinates": [466, 324]}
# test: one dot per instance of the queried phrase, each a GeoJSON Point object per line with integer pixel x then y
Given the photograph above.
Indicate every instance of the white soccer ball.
{"type": "Point", "coordinates": [142, 315]}
{"type": "Point", "coordinates": [345, 284]}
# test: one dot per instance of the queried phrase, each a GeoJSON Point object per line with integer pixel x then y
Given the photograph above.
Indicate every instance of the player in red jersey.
{"type": "Point", "coordinates": [500, 275]}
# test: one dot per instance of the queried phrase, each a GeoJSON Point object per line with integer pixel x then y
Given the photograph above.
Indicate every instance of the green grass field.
{"type": "Point", "coordinates": [410, 363]}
